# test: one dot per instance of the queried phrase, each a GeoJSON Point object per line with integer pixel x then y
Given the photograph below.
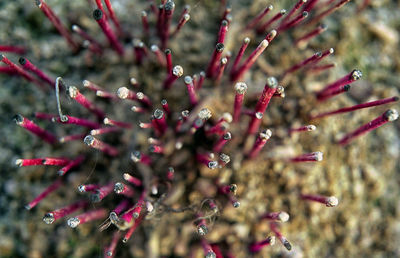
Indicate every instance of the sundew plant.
{"type": "Point", "coordinates": [199, 128]}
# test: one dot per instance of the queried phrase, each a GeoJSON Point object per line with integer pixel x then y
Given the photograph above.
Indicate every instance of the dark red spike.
{"type": "Point", "coordinates": [262, 104]}
{"type": "Point", "coordinates": [94, 45]}
{"type": "Point", "coordinates": [237, 75]}
{"type": "Point", "coordinates": [295, 21]}
{"type": "Point", "coordinates": [51, 188]}
{"type": "Point", "coordinates": [296, 7]}
{"type": "Point", "coordinates": [268, 23]}
{"type": "Point", "coordinates": [113, 17]}
{"type": "Point", "coordinates": [303, 40]}
{"type": "Point", "coordinates": [12, 49]}
{"type": "Point", "coordinates": [347, 79]}
{"type": "Point", "coordinates": [257, 246]}
{"type": "Point", "coordinates": [222, 32]}
{"type": "Point", "coordinates": [239, 56]}
{"type": "Point", "coordinates": [145, 24]}
{"type": "Point", "coordinates": [329, 201]}
{"type": "Point", "coordinates": [389, 116]}
{"type": "Point", "coordinates": [216, 56]}
{"type": "Point", "coordinates": [256, 20]}
{"type": "Point", "coordinates": [328, 11]}
{"type": "Point", "coordinates": [52, 216]}
{"type": "Point", "coordinates": [20, 71]}
{"type": "Point", "coordinates": [31, 67]}
{"type": "Point", "coordinates": [57, 23]}
{"type": "Point", "coordinates": [35, 129]}
{"type": "Point", "coordinates": [97, 144]}
{"type": "Point", "coordinates": [101, 19]}
{"type": "Point", "coordinates": [357, 107]}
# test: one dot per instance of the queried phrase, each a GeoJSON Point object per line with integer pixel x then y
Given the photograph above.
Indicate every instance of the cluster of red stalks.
{"type": "Point", "coordinates": [141, 195]}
